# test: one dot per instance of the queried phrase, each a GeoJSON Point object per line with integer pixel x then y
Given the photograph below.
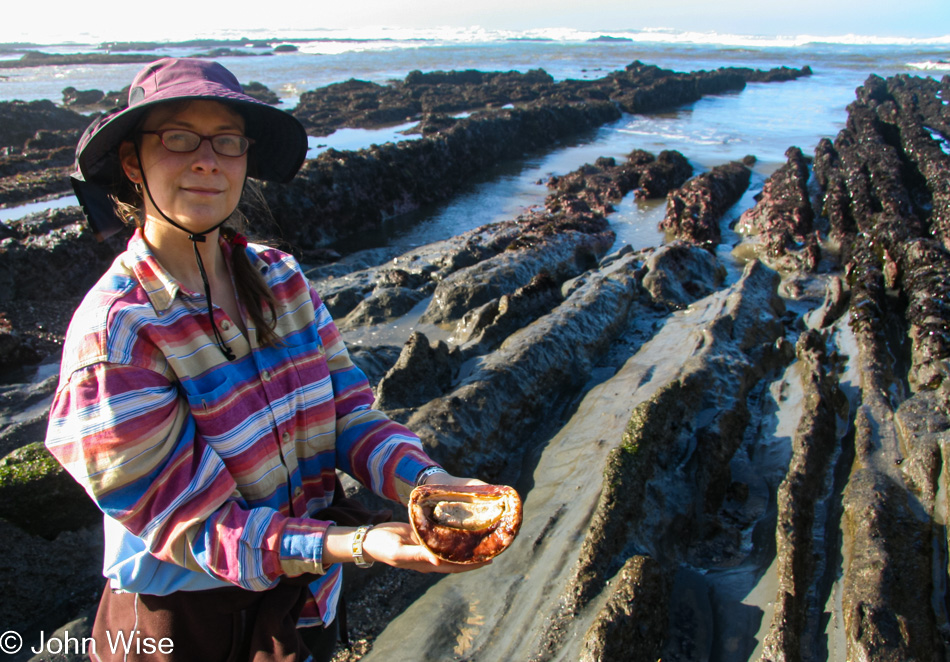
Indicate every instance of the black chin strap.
{"type": "Point", "coordinates": [195, 238]}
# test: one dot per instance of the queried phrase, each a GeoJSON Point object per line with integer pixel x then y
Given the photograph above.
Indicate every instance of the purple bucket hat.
{"type": "Point", "coordinates": [280, 141]}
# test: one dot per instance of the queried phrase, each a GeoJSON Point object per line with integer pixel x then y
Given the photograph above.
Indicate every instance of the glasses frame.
{"type": "Point", "coordinates": [161, 138]}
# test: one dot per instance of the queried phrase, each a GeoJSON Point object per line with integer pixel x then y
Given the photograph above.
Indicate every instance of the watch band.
{"type": "Point", "coordinates": [430, 471]}
{"type": "Point", "coordinates": [358, 537]}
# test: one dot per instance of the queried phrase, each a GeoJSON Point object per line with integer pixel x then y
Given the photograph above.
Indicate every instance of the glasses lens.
{"type": "Point", "coordinates": [180, 140]}
{"type": "Point", "coordinates": [228, 144]}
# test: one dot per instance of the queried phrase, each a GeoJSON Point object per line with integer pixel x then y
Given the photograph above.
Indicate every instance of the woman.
{"type": "Point", "coordinates": [206, 399]}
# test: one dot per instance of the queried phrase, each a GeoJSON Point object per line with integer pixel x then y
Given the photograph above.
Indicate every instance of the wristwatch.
{"type": "Point", "coordinates": [358, 537]}
{"type": "Point", "coordinates": [429, 471]}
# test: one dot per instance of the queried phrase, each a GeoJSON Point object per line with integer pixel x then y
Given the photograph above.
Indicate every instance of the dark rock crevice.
{"type": "Point", "coordinates": [519, 385]}
{"type": "Point", "coordinates": [800, 555]}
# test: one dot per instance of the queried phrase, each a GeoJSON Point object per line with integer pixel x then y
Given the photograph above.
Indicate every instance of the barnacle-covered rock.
{"type": "Point", "coordinates": [469, 524]}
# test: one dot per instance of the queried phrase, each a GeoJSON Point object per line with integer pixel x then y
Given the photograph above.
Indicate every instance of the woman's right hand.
{"type": "Point", "coordinates": [392, 543]}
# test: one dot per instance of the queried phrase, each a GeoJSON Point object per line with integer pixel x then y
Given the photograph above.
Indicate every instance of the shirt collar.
{"type": "Point", "coordinates": [160, 287]}
{"type": "Point", "coordinates": [259, 263]}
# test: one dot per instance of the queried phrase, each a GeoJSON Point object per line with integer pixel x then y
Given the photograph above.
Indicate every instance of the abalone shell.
{"type": "Point", "coordinates": [469, 524]}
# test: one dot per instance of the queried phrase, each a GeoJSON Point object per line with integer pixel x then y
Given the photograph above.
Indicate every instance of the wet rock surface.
{"type": "Point", "coordinates": [694, 210]}
{"type": "Point", "coordinates": [893, 222]}
{"type": "Point", "coordinates": [858, 480]}
{"type": "Point", "coordinates": [39, 59]}
{"type": "Point", "coordinates": [696, 421]}
{"type": "Point", "coordinates": [39, 496]}
{"type": "Point", "coordinates": [800, 557]}
{"type": "Point", "coordinates": [605, 182]}
{"type": "Point", "coordinates": [713, 466]}
{"type": "Point", "coordinates": [94, 99]}
{"type": "Point", "coordinates": [348, 192]}
{"type": "Point", "coordinates": [14, 350]}
{"type": "Point", "coordinates": [635, 619]}
{"type": "Point", "coordinates": [521, 385]}
{"type": "Point", "coordinates": [679, 273]}
{"type": "Point", "coordinates": [114, 52]}
{"type": "Point", "coordinates": [422, 372]}
{"type": "Point", "coordinates": [22, 119]}
{"type": "Point", "coordinates": [783, 218]}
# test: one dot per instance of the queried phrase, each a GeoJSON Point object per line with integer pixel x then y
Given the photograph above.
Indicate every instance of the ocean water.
{"type": "Point", "coordinates": [763, 120]}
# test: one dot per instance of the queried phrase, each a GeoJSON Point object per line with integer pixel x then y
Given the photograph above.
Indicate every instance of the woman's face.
{"type": "Point", "coordinates": [196, 189]}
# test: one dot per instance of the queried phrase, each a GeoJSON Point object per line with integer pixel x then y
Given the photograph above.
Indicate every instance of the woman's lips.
{"type": "Point", "coordinates": [199, 190]}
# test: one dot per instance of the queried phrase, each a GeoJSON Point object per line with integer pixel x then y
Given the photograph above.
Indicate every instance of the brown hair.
{"type": "Point", "coordinates": [252, 290]}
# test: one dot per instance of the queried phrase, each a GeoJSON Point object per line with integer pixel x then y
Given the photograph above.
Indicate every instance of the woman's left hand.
{"type": "Point", "coordinates": [395, 544]}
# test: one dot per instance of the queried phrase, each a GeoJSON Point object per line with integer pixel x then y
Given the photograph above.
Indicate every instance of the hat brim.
{"type": "Point", "coordinates": [279, 149]}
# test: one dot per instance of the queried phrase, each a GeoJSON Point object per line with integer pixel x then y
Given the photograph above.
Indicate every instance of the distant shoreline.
{"type": "Point", "coordinates": [118, 52]}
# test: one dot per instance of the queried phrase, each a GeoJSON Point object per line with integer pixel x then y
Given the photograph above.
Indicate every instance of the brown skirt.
{"type": "Point", "coordinates": [219, 625]}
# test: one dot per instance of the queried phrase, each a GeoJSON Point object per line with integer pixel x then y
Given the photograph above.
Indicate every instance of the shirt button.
{"type": "Point", "coordinates": [225, 325]}
{"type": "Point", "coordinates": [298, 491]}
{"type": "Point", "coordinates": [265, 375]}
{"type": "Point", "coordinates": [285, 437]}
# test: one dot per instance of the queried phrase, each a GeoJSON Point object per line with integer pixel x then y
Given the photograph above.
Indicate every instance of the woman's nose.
{"type": "Point", "coordinates": [205, 156]}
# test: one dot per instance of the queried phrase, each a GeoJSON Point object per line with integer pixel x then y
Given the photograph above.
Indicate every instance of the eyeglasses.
{"type": "Point", "coordinates": [182, 141]}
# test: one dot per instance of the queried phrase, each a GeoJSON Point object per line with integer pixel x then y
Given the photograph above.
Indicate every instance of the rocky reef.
{"type": "Point", "coordinates": [638, 88]}
{"type": "Point", "coordinates": [727, 464]}
{"type": "Point", "coordinates": [37, 148]}
{"type": "Point", "coordinates": [353, 192]}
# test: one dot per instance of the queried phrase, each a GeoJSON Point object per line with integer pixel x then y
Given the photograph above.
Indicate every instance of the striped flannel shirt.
{"type": "Point", "coordinates": [206, 469]}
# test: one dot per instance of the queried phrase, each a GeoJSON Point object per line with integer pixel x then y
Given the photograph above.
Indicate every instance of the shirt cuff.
{"type": "Point", "coordinates": [301, 547]}
{"type": "Point", "coordinates": [407, 473]}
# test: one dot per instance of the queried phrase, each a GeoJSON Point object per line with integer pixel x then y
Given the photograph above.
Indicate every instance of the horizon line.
{"type": "Point", "coordinates": [477, 33]}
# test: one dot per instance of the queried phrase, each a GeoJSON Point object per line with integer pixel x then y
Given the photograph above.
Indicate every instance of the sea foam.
{"type": "Point", "coordinates": [340, 40]}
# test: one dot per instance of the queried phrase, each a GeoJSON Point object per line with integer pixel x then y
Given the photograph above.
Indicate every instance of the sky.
{"type": "Point", "coordinates": [53, 21]}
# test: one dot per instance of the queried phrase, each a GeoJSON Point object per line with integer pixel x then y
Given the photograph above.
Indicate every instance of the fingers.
{"type": "Point", "coordinates": [395, 544]}
{"type": "Point", "coordinates": [439, 566]}
{"type": "Point", "coordinates": [447, 567]}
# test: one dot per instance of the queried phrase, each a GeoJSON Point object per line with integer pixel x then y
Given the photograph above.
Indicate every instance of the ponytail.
{"type": "Point", "coordinates": [253, 293]}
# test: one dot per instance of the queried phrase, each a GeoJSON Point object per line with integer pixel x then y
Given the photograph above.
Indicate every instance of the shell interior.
{"type": "Point", "coordinates": [464, 512]}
